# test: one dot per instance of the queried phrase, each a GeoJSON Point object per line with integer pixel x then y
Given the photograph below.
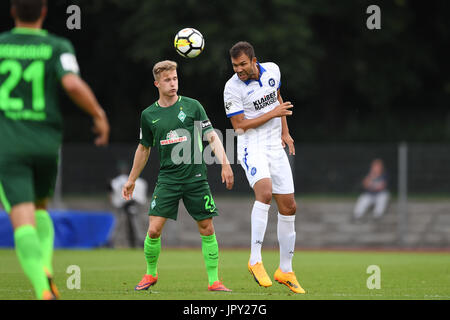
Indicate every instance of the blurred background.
{"type": "Point", "coordinates": [359, 94]}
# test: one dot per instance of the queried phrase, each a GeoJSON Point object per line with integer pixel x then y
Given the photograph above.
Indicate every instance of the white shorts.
{"type": "Point", "coordinates": [260, 164]}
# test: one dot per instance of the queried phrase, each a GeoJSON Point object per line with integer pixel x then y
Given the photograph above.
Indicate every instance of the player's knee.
{"type": "Point", "coordinates": [289, 209]}
{"type": "Point", "coordinates": [154, 233]}
{"type": "Point", "coordinates": [206, 229]}
{"type": "Point", "coordinates": [264, 196]}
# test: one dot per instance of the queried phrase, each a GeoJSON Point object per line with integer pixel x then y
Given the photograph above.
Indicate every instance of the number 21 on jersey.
{"type": "Point", "coordinates": [33, 74]}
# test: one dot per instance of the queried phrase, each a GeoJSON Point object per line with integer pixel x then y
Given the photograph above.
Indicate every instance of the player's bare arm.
{"type": "Point", "coordinates": [140, 160]}
{"type": "Point", "coordinates": [217, 148]}
{"type": "Point", "coordinates": [80, 93]}
{"type": "Point", "coordinates": [286, 138]}
{"type": "Point", "coordinates": [241, 124]}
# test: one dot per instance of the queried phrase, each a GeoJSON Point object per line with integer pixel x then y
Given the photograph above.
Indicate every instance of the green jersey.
{"type": "Point", "coordinates": [177, 132]}
{"type": "Point", "coordinates": [32, 63]}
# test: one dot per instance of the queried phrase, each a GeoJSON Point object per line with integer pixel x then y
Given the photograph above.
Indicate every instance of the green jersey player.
{"type": "Point", "coordinates": [33, 65]}
{"type": "Point", "coordinates": [174, 125]}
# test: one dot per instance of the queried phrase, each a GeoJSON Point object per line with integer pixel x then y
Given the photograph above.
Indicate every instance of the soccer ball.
{"type": "Point", "coordinates": [189, 43]}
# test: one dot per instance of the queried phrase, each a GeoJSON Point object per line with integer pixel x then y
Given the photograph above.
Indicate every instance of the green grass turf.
{"type": "Point", "coordinates": [112, 274]}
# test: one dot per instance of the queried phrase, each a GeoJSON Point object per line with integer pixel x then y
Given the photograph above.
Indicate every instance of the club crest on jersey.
{"type": "Point", "coordinates": [272, 82]}
{"type": "Point", "coordinates": [182, 116]}
{"type": "Point", "coordinates": [172, 137]}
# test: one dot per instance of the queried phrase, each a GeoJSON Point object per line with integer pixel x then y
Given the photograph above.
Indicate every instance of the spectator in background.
{"type": "Point", "coordinates": [375, 193]}
{"type": "Point", "coordinates": [130, 208]}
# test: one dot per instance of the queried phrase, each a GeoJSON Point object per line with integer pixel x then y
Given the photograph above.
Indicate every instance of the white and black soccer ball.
{"type": "Point", "coordinates": [189, 42]}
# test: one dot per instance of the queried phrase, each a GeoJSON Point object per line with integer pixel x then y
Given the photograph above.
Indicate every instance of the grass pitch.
{"type": "Point", "coordinates": [108, 274]}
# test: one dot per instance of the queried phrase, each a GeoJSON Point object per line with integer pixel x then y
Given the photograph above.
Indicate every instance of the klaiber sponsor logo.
{"type": "Point", "coordinates": [265, 101]}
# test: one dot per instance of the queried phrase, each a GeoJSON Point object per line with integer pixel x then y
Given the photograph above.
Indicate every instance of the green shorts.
{"type": "Point", "coordinates": [196, 197]}
{"type": "Point", "coordinates": [26, 178]}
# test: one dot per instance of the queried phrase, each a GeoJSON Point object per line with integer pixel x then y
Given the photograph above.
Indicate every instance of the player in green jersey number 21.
{"type": "Point", "coordinates": [168, 123]}
{"type": "Point", "coordinates": [33, 65]}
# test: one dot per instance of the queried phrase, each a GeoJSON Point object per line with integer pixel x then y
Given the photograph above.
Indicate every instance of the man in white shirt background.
{"type": "Point", "coordinates": [129, 210]}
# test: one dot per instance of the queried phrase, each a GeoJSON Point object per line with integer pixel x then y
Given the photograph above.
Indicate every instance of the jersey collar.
{"type": "Point", "coordinates": [261, 71]}
{"type": "Point", "coordinates": [179, 99]}
{"type": "Point", "coordinates": [32, 31]}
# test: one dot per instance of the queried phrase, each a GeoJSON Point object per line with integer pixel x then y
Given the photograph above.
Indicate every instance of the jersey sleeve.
{"type": "Point", "coordinates": [206, 124]}
{"type": "Point", "coordinates": [279, 77]}
{"type": "Point", "coordinates": [232, 100]}
{"type": "Point", "coordinates": [146, 134]}
{"type": "Point", "coordinates": [66, 61]}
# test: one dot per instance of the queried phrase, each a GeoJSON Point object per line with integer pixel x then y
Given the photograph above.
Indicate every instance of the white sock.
{"type": "Point", "coordinates": [286, 239]}
{"type": "Point", "coordinates": [260, 214]}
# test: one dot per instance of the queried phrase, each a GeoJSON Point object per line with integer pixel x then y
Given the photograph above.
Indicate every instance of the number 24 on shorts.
{"type": "Point", "coordinates": [209, 203]}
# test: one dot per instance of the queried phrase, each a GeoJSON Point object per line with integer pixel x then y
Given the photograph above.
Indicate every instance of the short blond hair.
{"type": "Point", "coordinates": [162, 66]}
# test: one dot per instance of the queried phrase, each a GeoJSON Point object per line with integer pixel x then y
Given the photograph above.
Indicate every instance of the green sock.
{"type": "Point", "coordinates": [29, 254]}
{"type": "Point", "coordinates": [152, 249]}
{"type": "Point", "coordinates": [46, 234]}
{"type": "Point", "coordinates": [210, 250]}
